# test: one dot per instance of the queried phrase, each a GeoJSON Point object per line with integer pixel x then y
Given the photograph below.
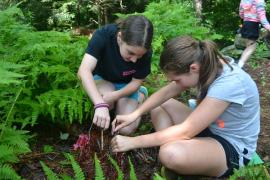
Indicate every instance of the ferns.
{"type": "Point", "coordinates": [132, 174]}
{"type": "Point", "coordinates": [77, 170]}
{"type": "Point", "coordinates": [49, 173]}
{"type": "Point", "coordinates": [6, 172]}
{"type": "Point", "coordinates": [158, 177]}
{"type": "Point", "coordinates": [10, 77]}
{"type": "Point", "coordinates": [119, 171]}
{"type": "Point", "coordinates": [50, 60]}
{"type": "Point", "coordinates": [60, 103]}
{"type": "Point", "coordinates": [98, 170]}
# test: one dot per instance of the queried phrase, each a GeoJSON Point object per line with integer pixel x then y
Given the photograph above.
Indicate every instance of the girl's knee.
{"type": "Point", "coordinates": [131, 128]}
{"type": "Point", "coordinates": [127, 130]}
{"type": "Point", "coordinates": [155, 112]}
{"type": "Point", "coordinates": [171, 157]}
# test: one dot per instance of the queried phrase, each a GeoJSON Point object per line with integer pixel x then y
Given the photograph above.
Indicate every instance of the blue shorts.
{"type": "Point", "coordinates": [119, 86]}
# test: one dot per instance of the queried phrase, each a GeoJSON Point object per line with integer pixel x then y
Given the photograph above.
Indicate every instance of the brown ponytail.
{"type": "Point", "coordinates": [181, 52]}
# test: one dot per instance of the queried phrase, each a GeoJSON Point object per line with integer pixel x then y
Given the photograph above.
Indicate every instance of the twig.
{"type": "Point", "coordinates": [102, 140]}
{"type": "Point", "coordinates": [90, 130]}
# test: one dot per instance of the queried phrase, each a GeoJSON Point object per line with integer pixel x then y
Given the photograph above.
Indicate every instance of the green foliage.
{"type": "Point", "coordinates": [251, 172]}
{"type": "Point", "coordinates": [50, 60]}
{"type": "Point", "coordinates": [158, 177]}
{"type": "Point", "coordinates": [75, 166]}
{"type": "Point", "coordinates": [168, 24]}
{"type": "Point", "coordinates": [132, 174]}
{"type": "Point", "coordinates": [118, 169]}
{"type": "Point", "coordinates": [223, 15]}
{"type": "Point", "coordinates": [49, 173]}
{"type": "Point", "coordinates": [13, 142]}
{"type": "Point", "coordinates": [99, 175]}
{"type": "Point", "coordinates": [47, 149]}
{"type": "Point", "coordinates": [64, 103]}
{"type": "Point", "coordinates": [7, 172]}
{"type": "Point", "coordinates": [10, 76]}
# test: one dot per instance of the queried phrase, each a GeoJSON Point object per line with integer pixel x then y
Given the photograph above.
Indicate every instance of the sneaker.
{"type": "Point", "coordinates": [143, 94]}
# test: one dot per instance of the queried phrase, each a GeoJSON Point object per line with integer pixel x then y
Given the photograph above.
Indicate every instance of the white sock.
{"type": "Point", "coordinates": [240, 64]}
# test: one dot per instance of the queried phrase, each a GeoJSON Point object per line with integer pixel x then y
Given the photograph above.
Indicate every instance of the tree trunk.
{"type": "Point", "coordinates": [198, 8]}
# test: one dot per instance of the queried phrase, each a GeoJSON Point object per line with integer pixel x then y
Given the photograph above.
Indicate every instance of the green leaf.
{"type": "Point", "coordinates": [64, 136]}
{"type": "Point", "coordinates": [118, 169]}
{"type": "Point", "coordinates": [99, 175]}
{"type": "Point", "coordinates": [132, 174]}
{"type": "Point", "coordinates": [49, 173]}
{"type": "Point", "coordinates": [47, 149]}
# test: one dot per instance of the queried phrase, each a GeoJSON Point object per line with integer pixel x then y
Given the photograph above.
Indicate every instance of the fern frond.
{"type": "Point", "coordinates": [9, 65]}
{"type": "Point", "coordinates": [99, 175]}
{"type": "Point", "coordinates": [76, 168]}
{"type": "Point", "coordinates": [7, 172]}
{"type": "Point", "coordinates": [158, 177]}
{"type": "Point", "coordinates": [16, 139]}
{"type": "Point", "coordinates": [6, 122]}
{"type": "Point", "coordinates": [132, 174]}
{"type": "Point", "coordinates": [49, 173]}
{"type": "Point", "coordinates": [7, 154]}
{"type": "Point", "coordinates": [118, 169]}
{"type": "Point", "coordinates": [10, 77]}
{"type": "Point", "coordinates": [68, 103]}
{"type": "Point", "coordinates": [65, 177]}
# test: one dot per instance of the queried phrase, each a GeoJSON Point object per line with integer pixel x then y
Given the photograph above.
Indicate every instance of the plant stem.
{"type": "Point", "coordinates": [10, 110]}
{"type": "Point", "coordinates": [102, 140]}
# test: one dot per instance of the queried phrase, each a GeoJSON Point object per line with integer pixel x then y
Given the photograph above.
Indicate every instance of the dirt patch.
{"type": "Point", "coordinates": [144, 161]}
{"type": "Point", "coordinates": [261, 75]}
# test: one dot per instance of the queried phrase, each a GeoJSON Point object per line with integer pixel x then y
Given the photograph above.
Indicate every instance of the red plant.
{"type": "Point", "coordinates": [82, 142]}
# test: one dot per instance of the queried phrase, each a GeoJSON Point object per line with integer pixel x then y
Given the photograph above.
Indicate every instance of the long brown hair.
{"type": "Point", "coordinates": [181, 52]}
{"type": "Point", "coordinates": [136, 30]}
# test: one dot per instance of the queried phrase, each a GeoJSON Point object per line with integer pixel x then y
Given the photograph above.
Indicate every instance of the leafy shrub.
{"type": "Point", "coordinates": [13, 141]}
{"type": "Point", "coordinates": [50, 61]}
{"type": "Point", "coordinates": [171, 19]}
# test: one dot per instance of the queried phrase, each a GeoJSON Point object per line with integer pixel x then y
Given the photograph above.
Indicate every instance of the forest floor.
{"type": "Point", "coordinates": [145, 161]}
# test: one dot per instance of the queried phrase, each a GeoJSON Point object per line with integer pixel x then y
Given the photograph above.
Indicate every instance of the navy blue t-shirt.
{"type": "Point", "coordinates": [110, 64]}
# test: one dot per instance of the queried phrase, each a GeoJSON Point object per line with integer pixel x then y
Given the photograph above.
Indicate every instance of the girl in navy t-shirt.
{"type": "Point", "coordinates": [116, 62]}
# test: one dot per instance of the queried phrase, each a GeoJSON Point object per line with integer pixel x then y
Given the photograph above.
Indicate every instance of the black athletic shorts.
{"type": "Point", "coordinates": [250, 30]}
{"type": "Point", "coordinates": [232, 157]}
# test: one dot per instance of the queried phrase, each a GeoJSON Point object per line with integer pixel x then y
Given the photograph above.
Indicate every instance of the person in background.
{"type": "Point", "coordinates": [116, 62]}
{"type": "Point", "coordinates": [252, 12]}
{"type": "Point", "coordinates": [220, 134]}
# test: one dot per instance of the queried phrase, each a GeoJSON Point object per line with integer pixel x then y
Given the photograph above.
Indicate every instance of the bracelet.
{"type": "Point", "coordinates": [101, 105]}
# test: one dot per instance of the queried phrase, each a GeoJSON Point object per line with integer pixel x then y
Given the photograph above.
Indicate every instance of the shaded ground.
{"type": "Point", "coordinates": [144, 161]}
{"type": "Point", "coordinates": [261, 75]}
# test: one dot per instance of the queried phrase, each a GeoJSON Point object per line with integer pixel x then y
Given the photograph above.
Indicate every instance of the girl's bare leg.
{"type": "Point", "coordinates": [169, 113]}
{"type": "Point", "coordinates": [249, 50]}
{"type": "Point", "coordinates": [198, 156]}
{"type": "Point", "coordinates": [126, 106]}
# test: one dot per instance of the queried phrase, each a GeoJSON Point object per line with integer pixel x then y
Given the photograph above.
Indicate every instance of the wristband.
{"type": "Point", "coordinates": [100, 105]}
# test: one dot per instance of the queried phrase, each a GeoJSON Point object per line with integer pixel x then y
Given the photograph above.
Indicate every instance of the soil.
{"type": "Point", "coordinates": [144, 161]}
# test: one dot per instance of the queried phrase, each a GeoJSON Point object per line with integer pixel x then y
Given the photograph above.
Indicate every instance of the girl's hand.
{"type": "Point", "coordinates": [110, 97]}
{"type": "Point", "coordinates": [102, 117]}
{"type": "Point", "coordinates": [121, 121]}
{"type": "Point", "coordinates": [122, 143]}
